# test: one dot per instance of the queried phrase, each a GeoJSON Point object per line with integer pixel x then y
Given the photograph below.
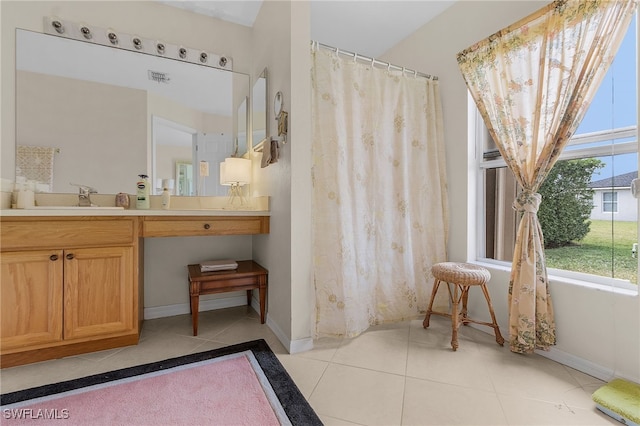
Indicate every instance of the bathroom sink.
{"type": "Point", "coordinates": [76, 208]}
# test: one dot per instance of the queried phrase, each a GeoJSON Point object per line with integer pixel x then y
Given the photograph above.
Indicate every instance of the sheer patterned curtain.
{"type": "Point", "coordinates": [533, 83]}
{"type": "Point", "coordinates": [379, 193]}
{"type": "Point", "coordinates": [36, 163]}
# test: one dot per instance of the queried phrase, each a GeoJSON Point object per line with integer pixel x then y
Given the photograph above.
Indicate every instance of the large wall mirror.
{"type": "Point", "coordinates": [259, 109]}
{"type": "Point", "coordinates": [100, 116]}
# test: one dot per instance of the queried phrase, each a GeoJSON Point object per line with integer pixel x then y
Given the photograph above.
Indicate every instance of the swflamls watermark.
{"type": "Point", "coordinates": [35, 413]}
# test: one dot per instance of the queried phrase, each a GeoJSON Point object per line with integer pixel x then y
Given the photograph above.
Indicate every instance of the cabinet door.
{"type": "Point", "coordinates": [31, 300]}
{"type": "Point", "coordinates": [98, 292]}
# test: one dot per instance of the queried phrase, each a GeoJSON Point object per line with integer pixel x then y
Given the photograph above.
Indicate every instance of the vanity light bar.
{"type": "Point", "coordinates": [135, 43]}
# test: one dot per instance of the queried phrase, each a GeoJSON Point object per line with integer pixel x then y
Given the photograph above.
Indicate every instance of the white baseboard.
{"type": "Point", "coordinates": [205, 305]}
{"type": "Point", "coordinates": [278, 332]}
{"type": "Point", "coordinates": [293, 346]}
{"type": "Point", "coordinates": [564, 358]}
{"type": "Point", "coordinates": [577, 363]}
{"type": "Point", "coordinates": [301, 345]}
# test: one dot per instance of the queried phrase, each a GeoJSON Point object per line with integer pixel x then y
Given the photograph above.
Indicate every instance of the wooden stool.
{"type": "Point", "coordinates": [462, 276]}
{"type": "Point", "coordinates": [248, 276]}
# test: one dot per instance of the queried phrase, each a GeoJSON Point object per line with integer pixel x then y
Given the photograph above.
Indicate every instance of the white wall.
{"type": "Point", "coordinates": [60, 112]}
{"type": "Point", "coordinates": [281, 43]}
{"type": "Point", "coordinates": [166, 288]}
{"type": "Point", "coordinates": [302, 287]}
{"type": "Point", "coordinates": [597, 331]}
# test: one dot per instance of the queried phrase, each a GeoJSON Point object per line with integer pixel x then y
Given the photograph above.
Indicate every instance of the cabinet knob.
{"type": "Point", "coordinates": [53, 257]}
{"type": "Point", "coordinates": [207, 226]}
{"type": "Point", "coordinates": [70, 256]}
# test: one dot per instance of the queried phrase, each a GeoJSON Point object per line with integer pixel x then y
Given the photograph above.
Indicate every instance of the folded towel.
{"type": "Point", "coordinates": [270, 152]}
{"type": "Point", "coordinates": [266, 155]}
{"type": "Point", "coordinates": [619, 399]}
{"type": "Point", "coordinates": [275, 151]}
{"type": "Point", "coordinates": [218, 265]}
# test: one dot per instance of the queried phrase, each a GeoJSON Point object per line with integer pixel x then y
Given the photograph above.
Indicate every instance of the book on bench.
{"type": "Point", "coordinates": [218, 265]}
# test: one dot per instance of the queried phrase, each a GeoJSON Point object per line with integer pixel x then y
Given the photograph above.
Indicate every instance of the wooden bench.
{"type": "Point", "coordinates": [247, 276]}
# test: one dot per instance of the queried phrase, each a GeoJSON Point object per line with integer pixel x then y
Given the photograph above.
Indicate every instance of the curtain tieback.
{"type": "Point", "coordinates": [527, 201]}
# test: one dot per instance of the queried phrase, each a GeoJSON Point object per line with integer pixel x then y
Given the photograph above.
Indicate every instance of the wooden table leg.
{"type": "Point", "coordinates": [263, 296]}
{"type": "Point", "coordinates": [194, 312]}
{"type": "Point", "coordinates": [249, 297]}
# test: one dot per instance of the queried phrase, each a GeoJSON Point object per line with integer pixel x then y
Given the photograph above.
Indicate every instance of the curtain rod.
{"type": "Point", "coordinates": [373, 61]}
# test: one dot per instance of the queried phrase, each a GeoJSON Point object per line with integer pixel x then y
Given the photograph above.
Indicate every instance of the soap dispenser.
{"type": "Point", "coordinates": [142, 193]}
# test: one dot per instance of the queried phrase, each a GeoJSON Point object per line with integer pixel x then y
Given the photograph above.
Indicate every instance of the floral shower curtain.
{"type": "Point", "coordinates": [379, 193]}
{"type": "Point", "coordinates": [533, 83]}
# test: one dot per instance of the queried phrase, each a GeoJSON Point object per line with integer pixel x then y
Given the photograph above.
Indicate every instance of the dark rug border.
{"type": "Point", "coordinates": [294, 403]}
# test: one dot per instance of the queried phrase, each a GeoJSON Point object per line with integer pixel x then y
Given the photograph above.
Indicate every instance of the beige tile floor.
{"type": "Point", "coordinates": [398, 374]}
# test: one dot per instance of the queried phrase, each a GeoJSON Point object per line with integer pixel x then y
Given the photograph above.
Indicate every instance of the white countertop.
{"type": "Point", "coordinates": [98, 211]}
{"type": "Point", "coordinates": [66, 205]}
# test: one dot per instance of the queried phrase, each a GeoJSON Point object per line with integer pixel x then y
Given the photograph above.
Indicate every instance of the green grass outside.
{"type": "Point", "coordinates": [594, 254]}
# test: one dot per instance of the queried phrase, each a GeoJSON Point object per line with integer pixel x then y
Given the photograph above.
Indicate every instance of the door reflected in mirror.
{"type": "Point", "coordinates": [94, 106]}
{"type": "Point", "coordinates": [174, 143]}
{"type": "Point", "coordinates": [173, 148]}
{"type": "Point", "coordinates": [242, 127]}
{"type": "Point", "coordinates": [184, 181]}
{"type": "Point", "coordinates": [259, 109]}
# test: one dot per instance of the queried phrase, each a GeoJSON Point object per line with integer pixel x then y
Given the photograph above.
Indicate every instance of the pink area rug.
{"type": "Point", "coordinates": [228, 386]}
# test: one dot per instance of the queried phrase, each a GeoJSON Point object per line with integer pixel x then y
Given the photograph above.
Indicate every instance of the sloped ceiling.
{"type": "Point", "coordinates": [367, 27]}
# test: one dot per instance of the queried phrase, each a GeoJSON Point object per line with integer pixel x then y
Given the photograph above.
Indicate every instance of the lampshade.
{"type": "Point", "coordinates": [223, 175]}
{"type": "Point", "coordinates": [236, 171]}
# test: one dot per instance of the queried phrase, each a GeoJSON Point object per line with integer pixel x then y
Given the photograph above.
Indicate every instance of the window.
{"type": "Point", "coordinates": [610, 202]}
{"type": "Point", "coordinates": [593, 174]}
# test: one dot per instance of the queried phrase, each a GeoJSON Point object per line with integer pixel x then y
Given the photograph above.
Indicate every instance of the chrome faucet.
{"type": "Point", "coordinates": [84, 196]}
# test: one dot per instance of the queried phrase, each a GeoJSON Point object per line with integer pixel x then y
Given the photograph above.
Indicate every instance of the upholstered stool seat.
{"type": "Point", "coordinates": [461, 277]}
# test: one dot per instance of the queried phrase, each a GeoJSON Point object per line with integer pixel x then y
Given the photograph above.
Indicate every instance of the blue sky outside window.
{"type": "Point", "coordinates": [615, 106]}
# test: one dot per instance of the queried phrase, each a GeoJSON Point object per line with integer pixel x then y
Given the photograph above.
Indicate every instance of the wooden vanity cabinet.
{"type": "Point", "coordinates": [69, 285]}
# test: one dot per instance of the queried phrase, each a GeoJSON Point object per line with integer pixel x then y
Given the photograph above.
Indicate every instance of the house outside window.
{"type": "Point", "coordinates": [608, 134]}
{"type": "Point", "coordinates": [613, 195]}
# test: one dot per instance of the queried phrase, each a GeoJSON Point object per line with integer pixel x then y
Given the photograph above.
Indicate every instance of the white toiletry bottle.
{"type": "Point", "coordinates": [166, 199]}
{"type": "Point", "coordinates": [21, 196]}
{"type": "Point", "coordinates": [142, 193]}
{"type": "Point", "coordinates": [19, 185]}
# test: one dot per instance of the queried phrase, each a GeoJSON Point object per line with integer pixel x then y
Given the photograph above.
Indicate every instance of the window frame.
{"type": "Point", "coordinates": [477, 198]}
{"type": "Point", "coordinates": [482, 139]}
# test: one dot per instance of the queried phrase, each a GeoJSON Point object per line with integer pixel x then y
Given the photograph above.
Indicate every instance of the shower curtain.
{"type": "Point", "coordinates": [379, 193]}
{"type": "Point", "coordinates": [36, 163]}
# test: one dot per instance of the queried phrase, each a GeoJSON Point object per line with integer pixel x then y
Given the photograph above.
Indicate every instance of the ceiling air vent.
{"type": "Point", "coordinates": [159, 77]}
